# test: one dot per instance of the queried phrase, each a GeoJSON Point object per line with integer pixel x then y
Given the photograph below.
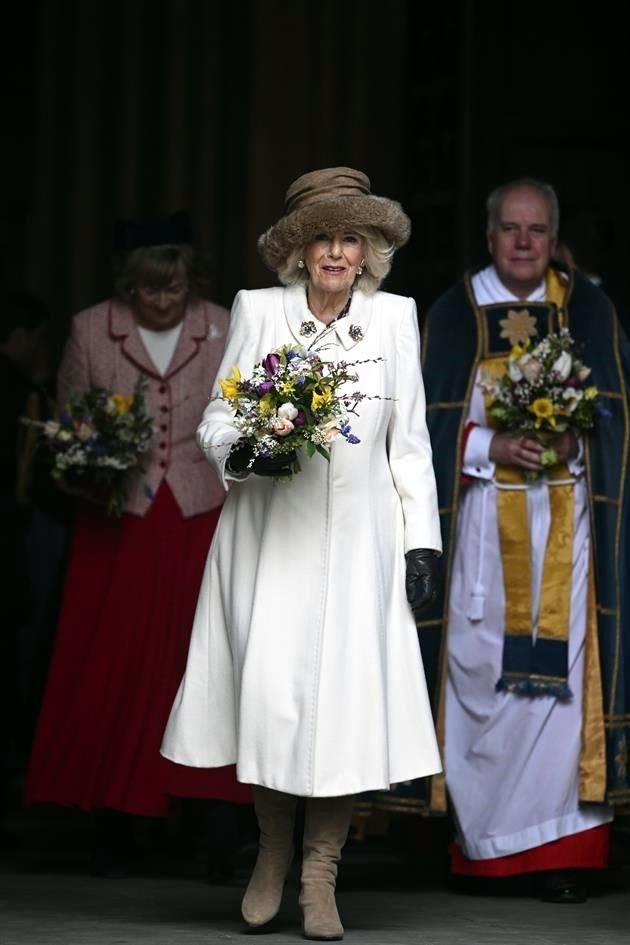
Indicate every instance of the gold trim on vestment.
{"type": "Point", "coordinates": [592, 769]}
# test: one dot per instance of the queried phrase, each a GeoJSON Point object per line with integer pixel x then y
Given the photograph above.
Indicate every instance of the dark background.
{"type": "Point", "coordinates": [139, 107]}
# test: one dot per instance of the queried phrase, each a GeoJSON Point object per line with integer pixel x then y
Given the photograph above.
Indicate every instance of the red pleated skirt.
{"type": "Point", "coordinates": [129, 603]}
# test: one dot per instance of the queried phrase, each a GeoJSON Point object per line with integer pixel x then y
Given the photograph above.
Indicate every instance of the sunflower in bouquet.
{"type": "Point", "coordinates": [98, 442]}
{"type": "Point", "coordinates": [293, 399]}
{"type": "Point", "coordinates": [544, 390]}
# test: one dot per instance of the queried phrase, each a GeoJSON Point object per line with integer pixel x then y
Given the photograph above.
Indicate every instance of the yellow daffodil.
{"type": "Point", "coordinates": [122, 402]}
{"type": "Point", "coordinates": [287, 388]}
{"type": "Point", "coordinates": [519, 350]}
{"type": "Point", "coordinates": [591, 393]}
{"type": "Point", "coordinates": [543, 409]}
{"type": "Point", "coordinates": [321, 398]}
{"type": "Point", "coordinates": [229, 385]}
{"type": "Point", "coordinates": [266, 406]}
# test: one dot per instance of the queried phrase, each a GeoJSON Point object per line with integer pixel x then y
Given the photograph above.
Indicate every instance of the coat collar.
{"type": "Point", "coordinates": [311, 333]}
{"type": "Point", "coordinates": [122, 328]}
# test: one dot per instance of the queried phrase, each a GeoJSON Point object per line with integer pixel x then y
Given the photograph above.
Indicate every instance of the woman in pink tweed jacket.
{"type": "Point", "coordinates": [132, 582]}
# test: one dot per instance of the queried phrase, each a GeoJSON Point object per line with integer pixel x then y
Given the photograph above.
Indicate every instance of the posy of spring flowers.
{"type": "Point", "coordinates": [545, 389]}
{"type": "Point", "coordinates": [98, 441]}
{"type": "Point", "coordinates": [294, 399]}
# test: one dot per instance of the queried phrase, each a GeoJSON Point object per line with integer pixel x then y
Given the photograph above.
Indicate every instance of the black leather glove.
{"type": "Point", "coordinates": [423, 578]}
{"type": "Point", "coordinates": [277, 466]}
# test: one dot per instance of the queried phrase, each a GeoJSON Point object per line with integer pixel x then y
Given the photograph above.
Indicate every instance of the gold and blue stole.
{"type": "Point", "coordinates": [535, 657]}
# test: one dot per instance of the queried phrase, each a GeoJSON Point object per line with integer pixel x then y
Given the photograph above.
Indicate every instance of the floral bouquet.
{"type": "Point", "coordinates": [98, 441]}
{"type": "Point", "coordinates": [293, 399]}
{"type": "Point", "coordinates": [543, 390]}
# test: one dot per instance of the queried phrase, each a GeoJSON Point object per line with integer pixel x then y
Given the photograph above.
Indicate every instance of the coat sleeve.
{"type": "Point", "coordinates": [410, 456]}
{"type": "Point", "coordinates": [217, 432]}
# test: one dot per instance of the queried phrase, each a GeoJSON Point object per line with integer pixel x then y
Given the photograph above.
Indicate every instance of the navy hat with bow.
{"type": "Point", "coordinates": [169, 231]}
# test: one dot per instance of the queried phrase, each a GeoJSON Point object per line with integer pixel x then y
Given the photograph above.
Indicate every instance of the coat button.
{"type": "Point", "coordinates": [162, 446]}
{"type": "Point", "coordinates": [162, 389]}
{"type": "Point", "coordinates": [164, 409]}
{"type": "Point", "coordinates": [164, 427]}
{"type": "Point", "coordinates": [163, 463]}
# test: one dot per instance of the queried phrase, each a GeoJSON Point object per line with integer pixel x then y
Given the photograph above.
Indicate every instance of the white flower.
{"type": "Point", "coordinates": [488, 386]}
{"type": "Point", "coordinates": [51, 428]}
{"type": "Point", "coordinates": [330, 430]}
{"type": "Point", "coordinates": [514, 371]}
{"type": "Point", "coordinates": [583, 372]}
{"type": "Point", "coordinates": [281, 426]}
{"type": "Point", "coordinates": [531, 368]}
{"type": "Point", "coordinates": [561, 367]}
{"type": "Point", "coordinates": [85, 431]}
{"type": "Point", "coordinates": [287, 411]}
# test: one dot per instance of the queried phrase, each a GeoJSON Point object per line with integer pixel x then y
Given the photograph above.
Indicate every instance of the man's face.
{"type": "Point", "coordinates": [520, 241]}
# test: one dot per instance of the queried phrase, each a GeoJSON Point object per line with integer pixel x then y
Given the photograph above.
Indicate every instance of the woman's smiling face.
{"type": "Point", "coordinates": [332, 260]}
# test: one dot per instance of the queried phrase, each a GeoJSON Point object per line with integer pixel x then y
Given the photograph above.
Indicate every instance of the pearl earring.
{"type": "Point", "coordinates": [300, 264]}
{"type": "Point", "coordinates": [359, 270]}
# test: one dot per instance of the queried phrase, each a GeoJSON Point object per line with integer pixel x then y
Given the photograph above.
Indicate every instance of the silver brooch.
{"type": "Point", "coordinates": [355, 332]}
{"type": "Point", "coordinates": [308, 328]}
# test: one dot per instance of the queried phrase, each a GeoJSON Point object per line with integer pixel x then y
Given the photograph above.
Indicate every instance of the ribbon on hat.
{"type": "Point", "coordinates": [326, 184]}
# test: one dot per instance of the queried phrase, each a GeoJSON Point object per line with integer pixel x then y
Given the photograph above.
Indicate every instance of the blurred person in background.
{"type": "Point", "coordinates": [132, 582]}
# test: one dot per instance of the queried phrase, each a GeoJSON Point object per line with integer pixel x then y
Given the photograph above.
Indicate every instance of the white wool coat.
{"type": "Point", "coordinates": [304, 666]}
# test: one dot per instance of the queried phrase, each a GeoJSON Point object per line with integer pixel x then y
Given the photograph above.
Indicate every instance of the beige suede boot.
{"type": "Point", "coordinates": [326, 825]}
{"type": "Point", "coordinates": [275, 813]}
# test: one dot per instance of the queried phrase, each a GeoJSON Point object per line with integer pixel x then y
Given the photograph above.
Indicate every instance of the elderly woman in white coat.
{"type": "Point", "coordinates": [304, 666]}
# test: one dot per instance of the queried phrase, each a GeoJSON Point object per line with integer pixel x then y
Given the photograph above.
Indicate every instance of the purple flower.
{"type": "Point", "coordinates": [299, 420]}
{"type": "Point", "coordinates": [572, 382]}
{"type": "Point", "coordinates": [271, 363]}
{"type": "Point", "coordinates": [350, 437]}
{"type": "Point", "coordinates": [264, 388]}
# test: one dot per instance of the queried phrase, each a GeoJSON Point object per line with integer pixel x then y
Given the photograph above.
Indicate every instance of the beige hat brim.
{"type": "Point", "coordinates": [297, 229]}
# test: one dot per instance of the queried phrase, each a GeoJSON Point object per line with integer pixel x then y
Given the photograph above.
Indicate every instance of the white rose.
{"type": "Point", "coordinates": [287, 411]}
{"type": "Point", "coordinates": [331, 434]}
{"type": "Point", "coordinates": [531, 369]}
{"type": "Point", "coordinates": [562, 366]}
{"type": "Point", "coordinates": [281, 426]}
{"type": "Point", "coordinates": [85, 431]}
{"type": "Point", "coordinates": [514, 371]}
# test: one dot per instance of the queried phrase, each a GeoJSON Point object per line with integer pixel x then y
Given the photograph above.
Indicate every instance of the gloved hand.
{"type": "Point", "coordinates": [423, 578]}
{"type": "Point", "coordinates": [277, 466]}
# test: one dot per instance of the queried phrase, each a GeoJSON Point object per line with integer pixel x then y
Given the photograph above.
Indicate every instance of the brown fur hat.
{"type": "Point", "coordinates": [327, 200]}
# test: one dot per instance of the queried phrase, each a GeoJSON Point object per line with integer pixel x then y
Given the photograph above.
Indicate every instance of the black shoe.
{"type": "Point", "coordinates": [563, 887]}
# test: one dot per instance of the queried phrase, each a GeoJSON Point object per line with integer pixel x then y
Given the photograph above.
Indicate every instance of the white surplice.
{"type": "Point", "coordinates": [511, 762]}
